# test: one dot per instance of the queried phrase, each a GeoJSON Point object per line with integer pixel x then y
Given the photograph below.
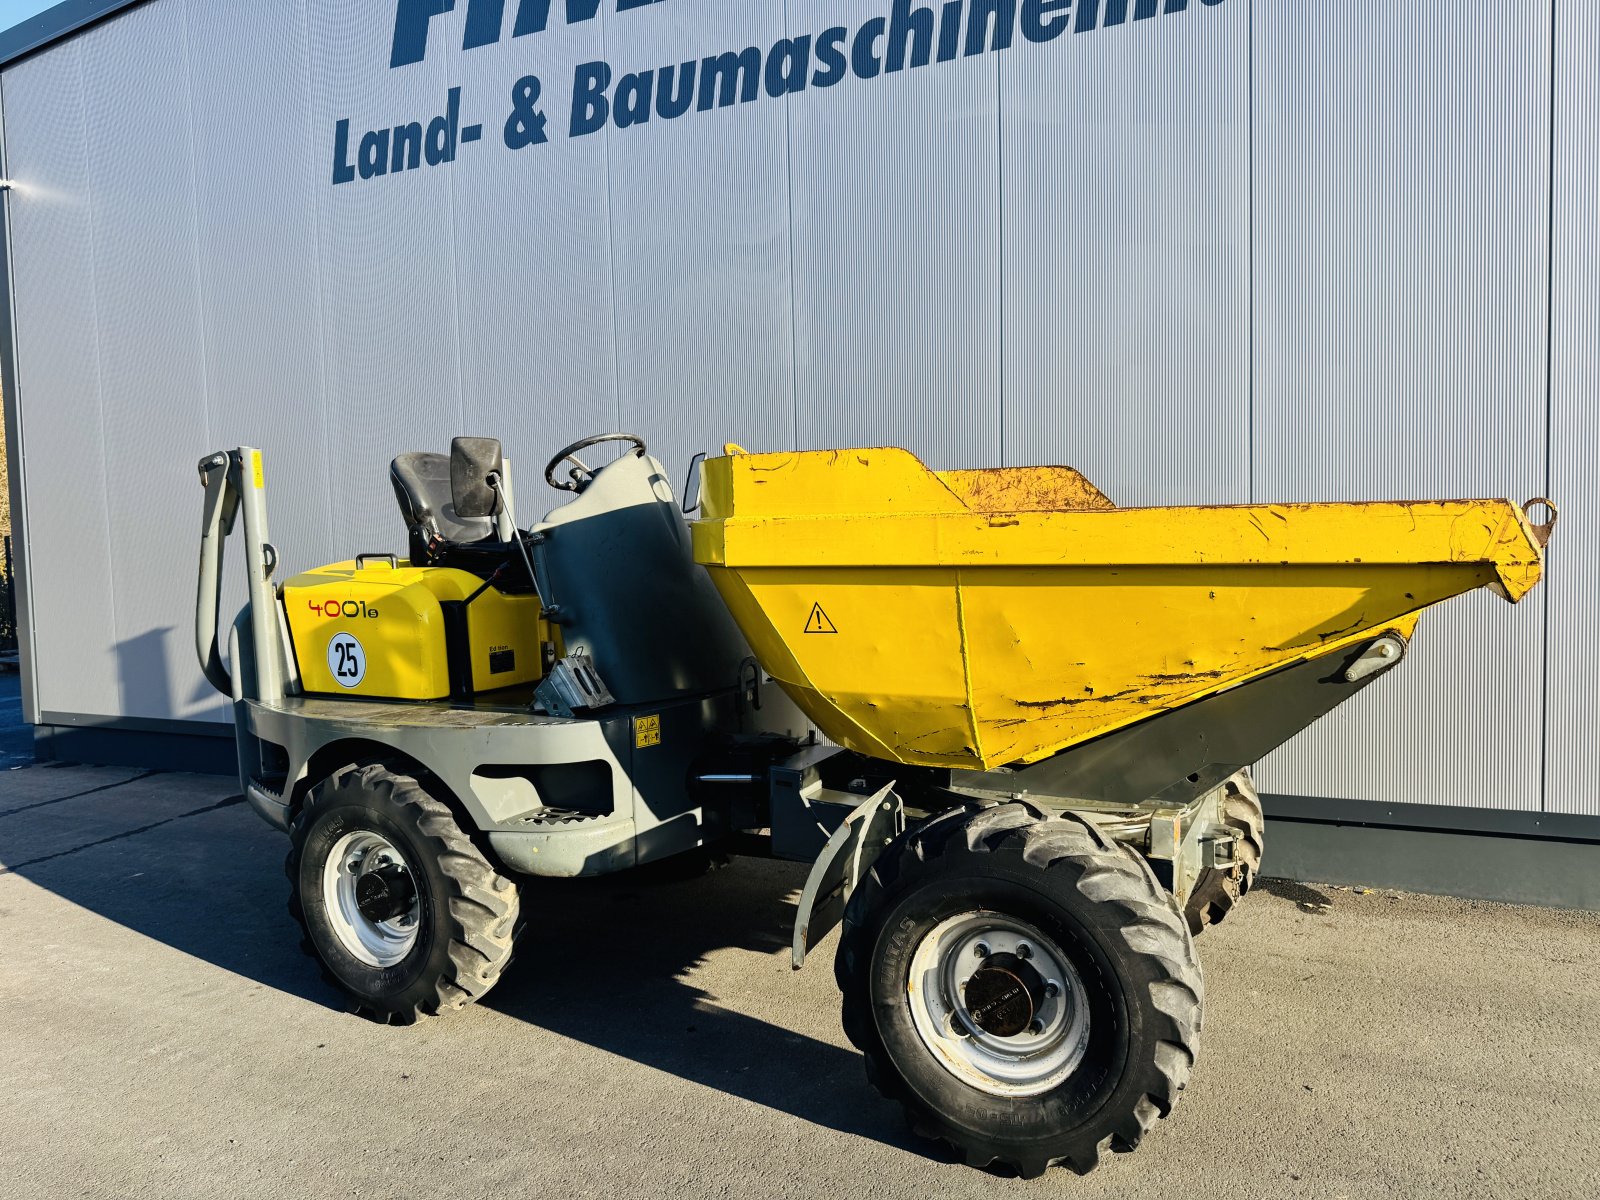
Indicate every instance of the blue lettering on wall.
{"type": "Point", "coordinates": [864, 60]}
{"type": "Point", "coordinates": [411, 19]}
{"type": "Point", "coordinates": [910, 31]}
{"type": "Point", "coordinates": [831, 55]}
{"type": "Point", "coordinates": [406, 147]}
{"type": "Point", "coordinates": [590, 108]}
{"type": "Point", "coordinates": [1045, 20]}
{"type": "Point", "coordinates": [728, 77]}
{"type": "Point", "coordinates": [788, 66]}
{"type": "Point", "coordinates": [484, 24]}
{"type": "Point", "coordinates": [914, 34]}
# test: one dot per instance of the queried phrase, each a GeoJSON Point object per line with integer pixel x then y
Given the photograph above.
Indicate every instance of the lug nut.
{"type": "Point", "coordinates": [1036, 1028]}
{"type": "Point", "coordinates": [1052, 989]}
{"type": "Point", "coordinates": [1024, 950]}
{"type": "Point", "coordinates": [981, 949]}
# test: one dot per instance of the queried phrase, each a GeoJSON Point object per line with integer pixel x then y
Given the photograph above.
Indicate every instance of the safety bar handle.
{"type": "Point", "coordinates": [221, 507]}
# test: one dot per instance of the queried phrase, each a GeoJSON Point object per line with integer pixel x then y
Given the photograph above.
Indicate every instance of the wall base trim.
{"type": "Point", "coordinates": [1551, 859]}
{"type": "Point", "coordinates": [1489, 822]}
{"type": "Point", "coordinates": [112, 744]}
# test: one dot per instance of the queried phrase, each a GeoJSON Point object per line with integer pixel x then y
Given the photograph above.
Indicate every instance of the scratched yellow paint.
{"type": "Point", "coordinates": [969, 625]}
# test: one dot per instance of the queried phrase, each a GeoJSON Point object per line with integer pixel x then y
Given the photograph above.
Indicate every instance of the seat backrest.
{"type": "Point", "coordinates": [421, 482]}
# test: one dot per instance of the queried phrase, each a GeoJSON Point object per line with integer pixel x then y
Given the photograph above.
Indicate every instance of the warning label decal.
{"type": "Point", "coordinates": [647, 731]}
{"type": "Point", "coordinates": [818, 621]}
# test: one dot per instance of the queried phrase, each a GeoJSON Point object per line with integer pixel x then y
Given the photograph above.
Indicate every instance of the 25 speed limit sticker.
{"type": "Point", "coordinates": [347, 661]}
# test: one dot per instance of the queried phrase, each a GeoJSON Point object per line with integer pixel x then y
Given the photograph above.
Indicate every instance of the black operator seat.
{"type": "Point", "coordinates": [421, 483]}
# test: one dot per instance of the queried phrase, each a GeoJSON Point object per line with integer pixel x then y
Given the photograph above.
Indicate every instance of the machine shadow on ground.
{"type": "Point", "coordinates": [186, 869]}
{"type": "Point", "coordinates": [604, 962]}
{"type": "Point", "coordinates": [609, 962]}
{"type": "Point", "coordinates": [1306, 899]}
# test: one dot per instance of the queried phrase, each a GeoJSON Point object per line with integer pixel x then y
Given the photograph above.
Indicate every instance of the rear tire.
{"type": "Point", "coordinates": [1106, 1036]}
{"type": "Point", "coordinates": [1218, 890]}
{"type": "Point", "coordinates": [403, 911]}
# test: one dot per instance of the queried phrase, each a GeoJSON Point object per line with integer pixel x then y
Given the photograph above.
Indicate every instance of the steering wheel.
{"type": "Point", "coordinates": [578, 478]}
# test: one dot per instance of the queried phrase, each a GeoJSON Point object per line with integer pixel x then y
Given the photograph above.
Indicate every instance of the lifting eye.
{"type": "Point", "coordinates": [1542, 531]}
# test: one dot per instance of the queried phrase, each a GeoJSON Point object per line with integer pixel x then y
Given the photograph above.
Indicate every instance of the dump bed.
{"type": "Point", "coordinates": [978, 618]}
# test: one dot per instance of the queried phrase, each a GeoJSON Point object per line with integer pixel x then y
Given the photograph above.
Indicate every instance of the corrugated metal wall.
{"type": "Point", "coordinates": [1272, 251]}
{"type": "Point", "coordinates": [1572, 688]}
{"type": "Point", "coordinates": [1401, 222]}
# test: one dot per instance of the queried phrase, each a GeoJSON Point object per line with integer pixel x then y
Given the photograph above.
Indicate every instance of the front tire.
{"type": "Point", "coordinates": [1023, 986]}
{"type": "Point", "coordinates": [403, 911]}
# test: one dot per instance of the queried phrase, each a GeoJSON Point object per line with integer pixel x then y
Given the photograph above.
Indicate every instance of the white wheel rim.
{"type": "Point", "coordinates": [375, 943]}
{"type": "Point", "coordinates": [1027, 1063]}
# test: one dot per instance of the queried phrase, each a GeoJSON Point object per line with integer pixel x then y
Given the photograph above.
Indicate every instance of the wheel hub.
{"type": "Point", "coordinates": [998, 1004]}
{"type": "Point", "coordinates": [385, 893]}
{"type": "Point", "coordinates": [1003, 995]}
{"type": "Point", "coordinates": [371, 897]}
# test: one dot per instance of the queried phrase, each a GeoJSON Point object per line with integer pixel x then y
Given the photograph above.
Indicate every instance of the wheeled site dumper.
{"type": "Point", "coordinates": [1037, 715]}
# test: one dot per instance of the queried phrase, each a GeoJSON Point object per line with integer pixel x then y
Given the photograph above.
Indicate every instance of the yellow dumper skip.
{"type": "Point", "coordinates": [973, 619]}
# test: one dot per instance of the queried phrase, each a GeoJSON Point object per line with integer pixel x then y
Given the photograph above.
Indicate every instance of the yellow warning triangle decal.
{"type": "Point", "coordinates": [818, 621]}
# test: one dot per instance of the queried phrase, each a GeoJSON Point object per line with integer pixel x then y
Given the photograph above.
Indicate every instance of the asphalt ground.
{"type": "Point", "coordinates": [163, 1036]}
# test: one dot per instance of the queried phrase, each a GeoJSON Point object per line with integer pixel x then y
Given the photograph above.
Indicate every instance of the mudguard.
{"type": "Point", "coordinates": [850, 852]}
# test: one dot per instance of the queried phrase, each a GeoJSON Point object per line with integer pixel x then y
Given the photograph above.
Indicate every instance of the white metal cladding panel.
{"type": "Point", "coordinates": [700, 236]}
{"type": "Point", "coordinates": [68, 505]}
{"type": "Point", "coordinates": [533, 264]}
{"type": "Point", "coordinates": [1398, 282]}
{"type": "Point", "coordinates": [895, 185]}
{"type": "Point", "coordinates": [260, 292]}
{"type": "Point", "coordinates": [1574, 581]}
{"type": "Point", "coordinates": [1125, 219]}
{"type": "Point", "coordinates": [388, 268]}
{"type": "Point", "coordinates": [1400, 201]}
{"type": "Point", "coordinates": [141, 184]}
